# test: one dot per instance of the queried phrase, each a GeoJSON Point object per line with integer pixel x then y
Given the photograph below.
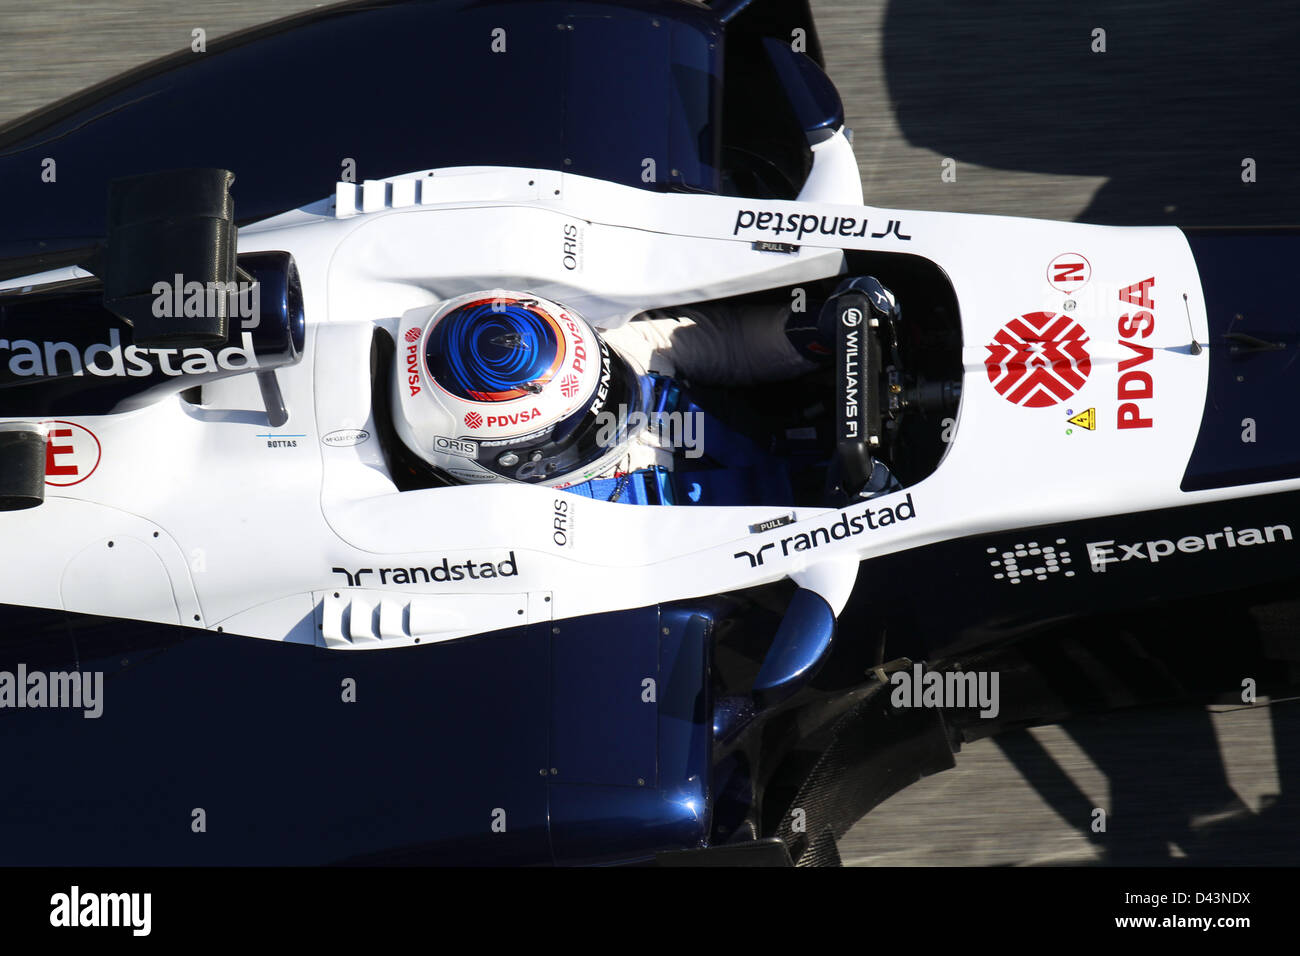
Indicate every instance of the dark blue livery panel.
{"type": "Point", "coordinates": [593, 88]}
{"type": "Point", "coordinates": [523, 746]}
{"type": "Point", "coordinates": [1250, 431]}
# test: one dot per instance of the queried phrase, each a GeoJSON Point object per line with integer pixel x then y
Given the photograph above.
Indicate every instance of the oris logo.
{"type": "Point", "coordinates": [569, 385]}
{"type": "Point", "coordinates": [463, 447]}
{"type": "Point", "coordinates": [473, 420]}
{"type": "Point", "coordinates": [413, 335]}
{"type": "Point", "coordinates": [561, 522]}
{"type": "Point", "coordinates": [572, 240]}
{"type": "Point", "coordinates": [1038, 359]}
{"type": "Point", "coordinates": [413, 369]}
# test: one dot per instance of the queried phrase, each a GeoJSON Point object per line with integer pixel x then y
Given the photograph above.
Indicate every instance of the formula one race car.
{"type": "Point", "coordinates": [256, 609]}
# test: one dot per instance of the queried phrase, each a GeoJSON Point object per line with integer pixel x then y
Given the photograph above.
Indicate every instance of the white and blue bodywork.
{"type": "Point", "coordinates": [342, 660]}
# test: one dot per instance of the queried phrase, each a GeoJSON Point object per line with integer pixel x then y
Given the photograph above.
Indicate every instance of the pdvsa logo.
{"type": "Point", "coordinates": [412, 335]}
{"type": "Point", "coordinates": [579, 344]}
{"type": "Point", "coordinates": [413, 368]}
{"type": "Point", "coordinates": [473, 420]}
{"type": "Point", "coordinates": [504, 421]}
{"type": "Point", "coordinates": [1039, 359]}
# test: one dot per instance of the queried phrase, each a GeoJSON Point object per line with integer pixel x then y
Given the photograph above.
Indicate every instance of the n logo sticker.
{"type": "Point", "coordinates": [1069, 272]}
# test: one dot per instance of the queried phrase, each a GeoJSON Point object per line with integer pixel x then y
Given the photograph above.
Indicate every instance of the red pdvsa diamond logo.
{"type": "Point", "coordinates": [1039, 359]}
{"type": "Point", "coordinates": [473, 419]}
{"type": "Point", "coordinates": [412, 334]}
{"type": "Point", "coordinates": [569, 385]}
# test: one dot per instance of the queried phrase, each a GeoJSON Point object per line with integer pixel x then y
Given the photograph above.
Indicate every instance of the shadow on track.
{"type": "Point", "coordinates": [1183, 93]}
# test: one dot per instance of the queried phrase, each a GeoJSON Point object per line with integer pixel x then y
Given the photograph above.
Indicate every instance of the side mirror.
{"type": "Point", "coordinates": [802, 642]}
{"type": "Point", "coordinates": [813, 96]}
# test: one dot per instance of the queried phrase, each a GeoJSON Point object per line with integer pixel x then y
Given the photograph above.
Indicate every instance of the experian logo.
{"type": "Point", "coordinates": [1102, 553]}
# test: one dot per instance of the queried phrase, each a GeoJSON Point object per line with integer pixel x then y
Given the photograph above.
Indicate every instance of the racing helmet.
{"type": "Point", "coordinates": [508, 386]}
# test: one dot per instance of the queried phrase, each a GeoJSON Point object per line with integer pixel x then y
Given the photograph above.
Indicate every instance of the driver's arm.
{"type": "Point", "coordinates": [723, 345]}
{"type": "Point", "coordinates": [726, 344]}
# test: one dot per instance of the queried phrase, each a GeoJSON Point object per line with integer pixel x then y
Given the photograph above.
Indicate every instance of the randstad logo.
{"type": "Point", "coordinates": [850, 524]}
{"type": "Point", "coordinates": [60, 359]}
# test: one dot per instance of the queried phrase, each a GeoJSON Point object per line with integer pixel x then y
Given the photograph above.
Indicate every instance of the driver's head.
{"type": "Point", "coordinates": [503, 385]}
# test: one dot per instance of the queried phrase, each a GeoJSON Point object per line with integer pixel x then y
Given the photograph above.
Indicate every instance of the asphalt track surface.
{"type": "Point", "coordinates": [1152, 131]}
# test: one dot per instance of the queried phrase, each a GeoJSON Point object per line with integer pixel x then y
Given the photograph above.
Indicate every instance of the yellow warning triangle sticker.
{"type": "Point", "coordinates": [1086, 419]}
